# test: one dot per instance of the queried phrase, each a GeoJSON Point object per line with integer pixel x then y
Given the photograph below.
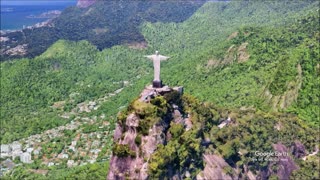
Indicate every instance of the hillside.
{"type": "Point", "coordinates": [254, 60]}
{"type": "Point", "coordinates": [171, 135]}
{"type": "Point", "coordinates": [103, 23]}
{"type": "Point", "coordinates": [68, 67]}
{"type": "Point", "coordinates": [245, 70]}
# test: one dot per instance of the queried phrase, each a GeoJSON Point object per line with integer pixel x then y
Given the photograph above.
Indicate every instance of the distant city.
{"type": "Point", "coordinates": [16, 16]}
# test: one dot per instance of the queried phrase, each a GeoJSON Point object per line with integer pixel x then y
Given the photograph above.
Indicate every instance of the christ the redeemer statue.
{"type": "Point", "coordinates": [156, 58]}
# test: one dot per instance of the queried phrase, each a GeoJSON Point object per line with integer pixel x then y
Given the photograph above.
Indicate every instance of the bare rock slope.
{"type": "Point", "coordinates": [165, 134]}
{"type": "Point", "coordinates": [150, 123]}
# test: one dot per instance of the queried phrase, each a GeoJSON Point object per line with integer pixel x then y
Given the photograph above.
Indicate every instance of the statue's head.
{"type": "Point", "coordinates": [157, 52]}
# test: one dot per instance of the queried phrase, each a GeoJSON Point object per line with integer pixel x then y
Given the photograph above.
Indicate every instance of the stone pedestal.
{"type": "Point", "coordinates": [157, 84]}
{"type": "Point", "coordinates": [151, 92]}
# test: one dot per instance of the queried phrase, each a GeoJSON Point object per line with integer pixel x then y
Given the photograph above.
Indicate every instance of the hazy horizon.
{"type": "Point", "coordinates": [36, 2]}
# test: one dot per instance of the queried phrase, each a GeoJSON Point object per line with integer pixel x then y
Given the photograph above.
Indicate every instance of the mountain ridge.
{"type": "Point", "coordinates": [230, 76]}
{"type": "Point", "coordinates": [97, 22]}
{"type": "Point", "coordinates": [170, 135]}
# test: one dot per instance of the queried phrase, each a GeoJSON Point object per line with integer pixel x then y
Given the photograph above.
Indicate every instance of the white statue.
{"type": "Point", "coordinates": [156, 58]}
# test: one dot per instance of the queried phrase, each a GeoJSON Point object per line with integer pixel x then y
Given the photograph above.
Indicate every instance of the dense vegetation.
{"type": "Point", "coordinates": [281, 73]}
{"type": "Point", "coordinates": [105, 24]}
{"type": "Point", "coordinates": [249, 131]}
{"type": "Point", "coordinates": [220, 73]}
{"type": "Point", "coordinates": [68, 71]}
{"type": "Point", "coordinates": [90, 171]}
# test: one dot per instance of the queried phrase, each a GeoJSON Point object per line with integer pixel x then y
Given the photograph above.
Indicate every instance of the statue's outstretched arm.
{"type": "Point", "coordinates": [163, 58]}
{"type": "Point", "coordinates": [149, 57]}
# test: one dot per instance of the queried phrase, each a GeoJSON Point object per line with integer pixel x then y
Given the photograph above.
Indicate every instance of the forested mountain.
{"type": "Point", "coordinates": [175, 136]}
{"type": "Point", "coordinates": [256, 60]}
{"type": "Point", "coordinates": [104, 24]}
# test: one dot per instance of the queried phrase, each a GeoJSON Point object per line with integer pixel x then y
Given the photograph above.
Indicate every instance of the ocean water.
{"type": "Point", "coordinates": [15, 17]}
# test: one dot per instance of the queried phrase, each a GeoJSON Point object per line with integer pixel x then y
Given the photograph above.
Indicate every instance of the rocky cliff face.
{"type": "Point", "coordinates": [164, 134]}
{"type": "Point", "coordinates": [85, 3]}
{"type": "Point", "coordinates": [153, 123]}
{"type": "Point", "coordinates": [139, 132]}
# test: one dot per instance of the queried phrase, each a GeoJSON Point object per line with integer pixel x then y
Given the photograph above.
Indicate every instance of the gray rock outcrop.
{"type": "Point", "coordinates": [141, 146]}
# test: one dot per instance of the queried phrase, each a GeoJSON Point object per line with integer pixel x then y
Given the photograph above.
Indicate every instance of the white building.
{"type": "Point", "coordinates": [16, 153]}
{"type": "Point", "coordinates": [25, 157]}
{"type": "Point", "coordinates": [70, 163]}
{"type": "Point", "coordinates": [3, 155]}
{"type": "Point", "coordinates": [65, 156]}
{"type": "Point", "coordinates": [73, 143]}
{"type": "Point", "coordinates": [16, 146]}
{"type": "Point", "coordinates": [91, 161]}
{"type": "Point", "coordinates": [222, 124]}
{"type": "Point", "coordinates": [72, 148]}
{"type": "Point", "coordinates": [29, 150]}
{"type": "Point", "coordinates": [5, 148]}
{"type": "Point", "coordinates": [95, 151]}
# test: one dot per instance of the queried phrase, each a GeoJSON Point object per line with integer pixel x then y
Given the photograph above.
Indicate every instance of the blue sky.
{"type": "Point", "coordinates": [37, 2]}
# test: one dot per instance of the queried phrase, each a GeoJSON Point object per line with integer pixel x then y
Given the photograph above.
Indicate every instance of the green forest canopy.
{"type": "Point", "coordinates": [279, 35]}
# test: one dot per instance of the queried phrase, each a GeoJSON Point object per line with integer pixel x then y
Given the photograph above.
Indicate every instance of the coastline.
{"type": "Point", "coordinates": [15, 18]}
{"type": "Point", "coordinates": [37, 25]}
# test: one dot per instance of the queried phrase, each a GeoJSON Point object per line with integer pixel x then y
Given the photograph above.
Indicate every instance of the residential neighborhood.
{"type": "Point", "coordinates": [85, 139]}
{"type": "Point", "coordinates": [56, 146]}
